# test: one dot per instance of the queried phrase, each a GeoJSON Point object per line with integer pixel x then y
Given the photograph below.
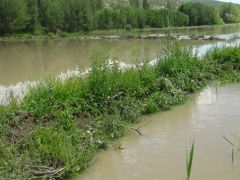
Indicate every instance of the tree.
{"type": "Point", "coordinates": [230, 13]}
{"type": "Point", "coordinates": [51, 14]}
{"type": "Point", "coordinates": [104, 19]}
{"type": "Point", "coordinates": [200, 14]}
{"type": "Point", "coordinates": [134, 3]}
{"type": "Point", "coordinates": [33, 10]}
{"type": "Point", "coordinates": [79, 14]}
{"type": "Point", "coordinates": [146, 4]}
{"type": "Point", "coordinates": [13, 15]}
{"type": "Point", "coordinates": [171, 5]}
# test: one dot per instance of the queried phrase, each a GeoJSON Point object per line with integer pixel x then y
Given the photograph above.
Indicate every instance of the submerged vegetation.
{"type": "Point", "coordinates": [58, 127]}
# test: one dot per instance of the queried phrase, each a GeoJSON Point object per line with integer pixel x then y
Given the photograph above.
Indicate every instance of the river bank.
{"type": "Point", "coordinates": [57, 128]}
{"type": "Point", "coordinates": [182, 33]}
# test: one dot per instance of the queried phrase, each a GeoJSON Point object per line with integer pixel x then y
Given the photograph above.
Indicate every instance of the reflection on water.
{"type": "Point", "coordinates": [203, 49]}
{"type": "Point", "coordinates": [207, 96]}
{"type": "Point", "coordinates": [205, 30]}
{"type": "Point", "coordinates": [161, 153]}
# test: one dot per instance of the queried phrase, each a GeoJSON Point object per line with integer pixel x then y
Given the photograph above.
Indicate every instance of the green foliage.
{"type": "Point", "coordinates": [13, 15]}
{"type": "Point", "coordinates": [80, 15]}
{"type": "Point", "coordinates": [230, 13]}
{"type": "Point", "coordinates": [134, 3]}
{"type": "Point", "coordinates": [229, 57]}
{"type": "Point", "coordinates": [146, 4]}
{"type": "Point", "coordinates": [226, 63]}
{"type": "Point", "coordinates": [109, 18]}
{"type": "Point", "coordinates": [51, 15]}
{"type": "Point", "coordinates": [128, 27]}
{"type": "Point", "coordinates": [200, 14]}
{"type": "Point", "coordinates": [33, 10]}
{"type": "Point", "coordinates": [104, 19]}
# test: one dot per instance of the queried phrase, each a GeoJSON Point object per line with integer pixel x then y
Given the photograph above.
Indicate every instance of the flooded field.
{"type": "Point", "coordinates": [22, 61]}
{"type": "Point", "coordinates": [160, 154]}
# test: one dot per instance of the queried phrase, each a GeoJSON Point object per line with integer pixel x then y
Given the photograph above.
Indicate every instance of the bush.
{"type": "Point", "coordinates": [200, 14]}
{"type": "Point", "coordinates": [230, 13]}
{"type": "Point", "coordinates": [13, 15]}
{"type": "Point", "coordinates": [128, 27]}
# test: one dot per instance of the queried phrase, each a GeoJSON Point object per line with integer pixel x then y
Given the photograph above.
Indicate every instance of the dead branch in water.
{"type": "Point", "coordinates": [228, 141]}
{"type": "Point", "coordinates": [42, 171]}
{"type": "Point", "coordinates": [136, 129]}
{"type": "Point", "coordinates": [232, 147]}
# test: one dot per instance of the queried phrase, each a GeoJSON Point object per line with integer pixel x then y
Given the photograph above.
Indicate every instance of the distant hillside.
{"type": "Point", "coordinates": [213, 3]}
{"type": "Point", "coordinates": [175, 3]}
{"type": "Point", "coordinates": [159, 3]}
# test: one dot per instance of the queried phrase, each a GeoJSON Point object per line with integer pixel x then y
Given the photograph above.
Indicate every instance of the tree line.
{"type": "Point", "coordinates": [87, 15]}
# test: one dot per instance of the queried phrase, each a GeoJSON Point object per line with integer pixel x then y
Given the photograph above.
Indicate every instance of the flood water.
{"type": "Point", "coordinates": [22, 61]}
{"type": "Point", "coordinates": [160, 154]}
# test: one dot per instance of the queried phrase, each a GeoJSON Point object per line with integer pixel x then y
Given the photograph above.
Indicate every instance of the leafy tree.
{"type": "Point", "coordinates": [104, 19]}
{"type": "Point", "coordinates": [230, 13]}
{"type": "Point", "coordinates": [119, 18]}
{"type": "Point", "coordinates": [146, 4]}
{"type": "Point", "coordinates": [51, 14]}
{"type": "Point", "coordinates": [131, 14]}
{"type": "Point", "coordinates": [171, 5]}
{"type": "Point", "coordinates": [200, 14]}
{"type": "Point", "coordinates": [33, 10]}
{"type": "Point", "coordinates": [13, 15]}
{"type": "Point", "coordinates": [134, 3]}
{"type": "Point", "coordinates": [79, 14]}
{"type": "Point", "coordinates": [141, 19]}
{"type": "Point", "coordinates": [86, 15]}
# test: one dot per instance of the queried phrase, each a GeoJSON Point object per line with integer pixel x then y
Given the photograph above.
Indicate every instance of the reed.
{"type": "Point", "coordinates": [233, 147]}
{"type": "Point", "coordinates": [189, 160]}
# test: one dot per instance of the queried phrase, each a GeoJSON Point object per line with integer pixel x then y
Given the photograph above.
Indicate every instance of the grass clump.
{"type": "Point", "coordinates": [58, 127]}
{"type": "Point", "coordinates": [225, 63]}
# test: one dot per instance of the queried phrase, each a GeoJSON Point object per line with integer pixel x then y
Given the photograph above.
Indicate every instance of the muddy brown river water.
{"type": "Point", "coordinates": [31, 60]}
{"type": "Point", "coordinates": [160, 154]}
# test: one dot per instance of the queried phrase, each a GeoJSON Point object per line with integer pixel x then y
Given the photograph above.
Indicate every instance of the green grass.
{"type": "Point", "coordinates": [58, 127]}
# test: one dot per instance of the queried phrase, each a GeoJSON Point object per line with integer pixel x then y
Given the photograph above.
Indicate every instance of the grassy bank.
{"type": "Point", "coordinates": [58, 127]}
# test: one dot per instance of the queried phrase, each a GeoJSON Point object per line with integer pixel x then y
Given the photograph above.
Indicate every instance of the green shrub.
{"type": "Point", "coordinates": [200, 14]}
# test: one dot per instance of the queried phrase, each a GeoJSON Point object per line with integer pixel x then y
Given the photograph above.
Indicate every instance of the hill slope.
{"type": "Point", "coordinates": [176, 3]}
{"type": "Point", "coordinates": [214, 3]}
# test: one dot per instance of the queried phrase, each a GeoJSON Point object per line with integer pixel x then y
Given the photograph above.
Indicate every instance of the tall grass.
{"type": "Point", "coordinates": [60, 125]}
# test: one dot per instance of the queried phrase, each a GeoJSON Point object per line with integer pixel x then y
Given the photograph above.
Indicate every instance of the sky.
{"type": "Point", "coordinates": [233, 1]}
